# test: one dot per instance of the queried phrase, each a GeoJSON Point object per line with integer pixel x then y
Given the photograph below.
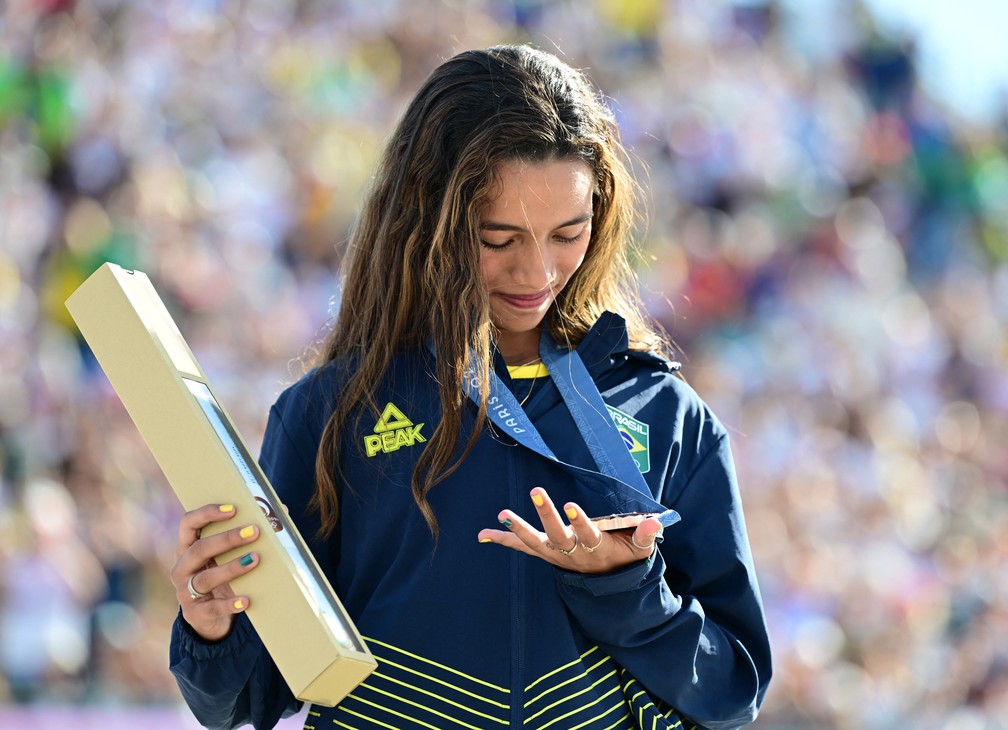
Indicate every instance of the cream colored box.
{"type": "Point", "coordinates": [291, 604]}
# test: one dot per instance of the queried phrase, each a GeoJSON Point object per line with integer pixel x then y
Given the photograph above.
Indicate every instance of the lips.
{"type": "Point", "coordinates": [526, 301]}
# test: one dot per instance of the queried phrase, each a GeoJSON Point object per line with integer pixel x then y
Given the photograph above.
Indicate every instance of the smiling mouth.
{"type": "Point", "coordinates": [526, 301]}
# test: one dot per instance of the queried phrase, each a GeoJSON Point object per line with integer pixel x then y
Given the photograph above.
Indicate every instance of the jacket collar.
{"type": "Point", "coordinates": [607, 346]}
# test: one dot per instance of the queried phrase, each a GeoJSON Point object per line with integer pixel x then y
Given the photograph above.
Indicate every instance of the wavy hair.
{"type": "Point", "coordinates": [416, 243]}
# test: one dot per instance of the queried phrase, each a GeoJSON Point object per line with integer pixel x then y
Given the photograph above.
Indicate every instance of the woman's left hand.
{"type": "Point", "coordinates": [576, 545]}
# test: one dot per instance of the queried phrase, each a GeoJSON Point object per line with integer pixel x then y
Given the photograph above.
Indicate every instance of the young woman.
{"type": "Point", "coordinates": [491, 385]}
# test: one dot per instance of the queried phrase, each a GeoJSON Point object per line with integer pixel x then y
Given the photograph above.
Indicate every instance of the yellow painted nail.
{"type": "Point", "coordinates": [247, 532]}
{"type": "Point", "coordinates": [571, 513]}
{"type": "Point", "coordinates": [227, 508]}
{"type": "Point", "coordinates": [485, 539]}
{"type": "Point", "coordinates": [239, 605]}
{"type": "Point", "coordinates": [537, 500]}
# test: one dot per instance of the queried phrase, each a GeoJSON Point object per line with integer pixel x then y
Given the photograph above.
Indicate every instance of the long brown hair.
{"type": "Point", "coordinates": [413, 268]}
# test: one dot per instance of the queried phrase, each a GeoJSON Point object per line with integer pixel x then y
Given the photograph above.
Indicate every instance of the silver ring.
{"type": "Point", "coordinates": [649, 548]}
{"type": "Point", "coordinates": [568, 552]}
{"type": "Point", "coordinates": [195, 594]}
{"type": "Point", "coordinates": [597, 545]}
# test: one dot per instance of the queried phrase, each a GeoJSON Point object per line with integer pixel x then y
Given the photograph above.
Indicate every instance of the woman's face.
{"type": "Point", "coordinates": [535, 231]}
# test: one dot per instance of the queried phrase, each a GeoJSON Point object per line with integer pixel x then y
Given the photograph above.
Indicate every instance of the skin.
{"type": "Point", "coordinates": [535, 233]}
{"type": "Point", "coordinates": [196, 557]}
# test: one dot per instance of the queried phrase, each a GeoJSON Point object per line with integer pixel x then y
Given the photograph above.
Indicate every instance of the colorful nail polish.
{"type": "Point", "coordinates": [485, 539]}
{"type": "Point", "coordinates": [246, 559]}
{"type": "Point", "coordinates": [226, 508]}
{"type": "Point", "coordinates": [506, 522]}
{"type": "Point", "coordinates": [571, 513]}
{"type": "Point", "coordinates": [537, 500]}
{"type": "Point", "coordinates": [247, 532]}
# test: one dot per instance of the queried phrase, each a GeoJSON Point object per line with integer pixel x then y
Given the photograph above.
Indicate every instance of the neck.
{"type": "Point", "coordinates": [518, 348]}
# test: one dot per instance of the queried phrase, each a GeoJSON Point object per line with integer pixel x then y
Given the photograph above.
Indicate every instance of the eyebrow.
{"type": "Point", "coordinates": [496, 226]}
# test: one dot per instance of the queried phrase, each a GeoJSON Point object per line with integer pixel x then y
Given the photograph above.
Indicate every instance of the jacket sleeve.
{"type": "Point", "coordinates": [688, 623]}
{"type": "Point", "coordinates": [234, 682]}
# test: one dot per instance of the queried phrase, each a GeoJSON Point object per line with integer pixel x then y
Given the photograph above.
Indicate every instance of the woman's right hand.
{"type": "Point", "coordinates": [202, 586]}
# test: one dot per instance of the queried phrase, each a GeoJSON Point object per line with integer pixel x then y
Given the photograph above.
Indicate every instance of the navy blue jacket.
{"type": "Point", "coordinates": [480, 636]}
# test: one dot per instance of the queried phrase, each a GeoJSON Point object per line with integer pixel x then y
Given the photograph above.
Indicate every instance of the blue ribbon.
{"type": "Point", "coordinates": [589, 411]}
{"type": "Point", "coordinates": [583, 400]}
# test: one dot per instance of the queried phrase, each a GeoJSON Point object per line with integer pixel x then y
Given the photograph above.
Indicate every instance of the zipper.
{"type": "Point", "coordinates": [517, 608]}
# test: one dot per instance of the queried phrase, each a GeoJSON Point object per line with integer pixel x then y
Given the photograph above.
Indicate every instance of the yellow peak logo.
{"type": "Point", "coordinates": [392, 431]}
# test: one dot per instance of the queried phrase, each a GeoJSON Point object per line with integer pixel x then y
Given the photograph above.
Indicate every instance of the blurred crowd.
{"type": "Point", "coordinates": [827, 244]}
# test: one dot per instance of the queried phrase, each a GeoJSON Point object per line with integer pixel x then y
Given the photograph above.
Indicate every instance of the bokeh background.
{"type": "Point", "coordinates": [827, 243]}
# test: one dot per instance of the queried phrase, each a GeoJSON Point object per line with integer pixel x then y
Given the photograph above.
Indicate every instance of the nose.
{"type": "Point", "coordinates": [535, 266]}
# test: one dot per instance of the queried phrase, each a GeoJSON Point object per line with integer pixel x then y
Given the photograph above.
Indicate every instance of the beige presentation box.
{"type": "Point", "coordinates": [291, 604]}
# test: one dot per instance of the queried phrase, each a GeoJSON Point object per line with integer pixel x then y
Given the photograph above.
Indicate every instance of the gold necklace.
{"type": "Point", "coordinates": [531, 388]}
{"type": "Point", "coordinates": [534, 378]}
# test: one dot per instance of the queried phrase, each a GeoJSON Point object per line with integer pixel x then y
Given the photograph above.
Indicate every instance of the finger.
{"type": "Point", "coordinates": [507, 539]}
{"type": "Point", "coordinates": [646, 534]}
{"type": "Point", "coordinates": [194, 521]}
{"type": "Point", "coordinates": [522, 532]}
{"type": "Point", "coordinates": [588, 534]}
{"type": "Point", "coordinates": [204, 552]}
{"type": "Point", "coordinates": [217, 579]}
{"type": "Point", "coordinates": [558, 533]}
{"type": "Point", "coordinates": [206, 613]}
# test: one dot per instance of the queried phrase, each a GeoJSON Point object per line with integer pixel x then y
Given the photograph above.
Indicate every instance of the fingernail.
{"type": "Point", "coordinates": [226, 508]}
{"type": "Point", "coordinates": [247, 532]}
{"type": "Point", "coordinates": [485, 539]}
{"type": "Point", "coordinates": [239, 605]}
{"type": "Point", "coordinates": [537, 500]}
{"type": "Point", "coordinates": [246, 559]}
{"type": "Point", "coordinates": [506, 522]}
{"type": "Point", "coordinates": [571, 513]}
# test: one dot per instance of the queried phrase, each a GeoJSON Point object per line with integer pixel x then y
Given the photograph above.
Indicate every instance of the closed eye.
{"type": "Point", "coordinates": [497, 246]}
{"type": "Point", "coordinates": [571, 239]}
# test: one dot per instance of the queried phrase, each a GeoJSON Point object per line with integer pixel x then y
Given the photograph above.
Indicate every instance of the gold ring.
{"type": "Point", "coordinates": [597, 545]}
{"type": "Point", "coordinates": [568, 552]}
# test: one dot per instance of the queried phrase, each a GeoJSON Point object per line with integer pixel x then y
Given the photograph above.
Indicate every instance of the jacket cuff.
{"type": "Point", "coordinates": [625, 579]}
{"type": "Point", "coordinates": [201, 649]}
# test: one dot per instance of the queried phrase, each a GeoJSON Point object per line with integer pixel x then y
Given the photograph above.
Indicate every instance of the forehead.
{"type": "Point", "coordinates": [542, 187]}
